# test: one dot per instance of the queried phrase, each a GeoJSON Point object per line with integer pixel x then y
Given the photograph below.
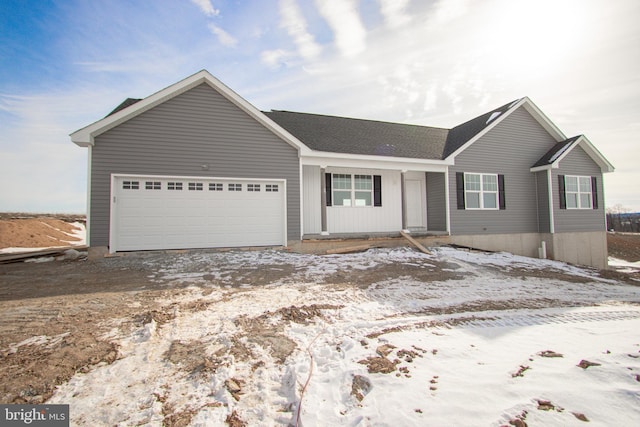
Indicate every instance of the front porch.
{"type": "Point", "coordinates": [356, 203]}
{"type": "Point", "coordinates": [320, 244]}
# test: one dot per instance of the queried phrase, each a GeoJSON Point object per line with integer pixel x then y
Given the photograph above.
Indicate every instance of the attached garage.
{"type": "Point", "coordinates": [176, 212]}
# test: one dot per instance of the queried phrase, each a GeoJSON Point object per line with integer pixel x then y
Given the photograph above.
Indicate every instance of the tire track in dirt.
{"type": "Point", "coordinates": [490, 320]}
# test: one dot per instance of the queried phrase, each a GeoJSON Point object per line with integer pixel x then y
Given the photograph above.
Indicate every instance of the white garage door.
{"type": "Point", "coordinates": [177, 213]}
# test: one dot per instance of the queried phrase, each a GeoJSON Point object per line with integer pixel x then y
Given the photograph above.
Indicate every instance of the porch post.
{"type": "Point", "coordinates": [323, 201]}
{"type": "Point", "coordinates": [403, 195]}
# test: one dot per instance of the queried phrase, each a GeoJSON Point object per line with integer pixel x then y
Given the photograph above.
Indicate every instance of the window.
{"type": "Point", "coordinates": [253, 187]}
{"type": "Point", "coordinates": [271, 188]}
{"type": "Point", "coordinates": [174, 186]}
{"type": "Point", "coordinates": [363, 190]}
{"type": "Point", "coordinates": [341, 190]}
{"type": "Point", "coordinates": [481, 191]}
{"type": "Point", "coordinates": [235, 187]}
{"type": "Point", "coordinates": [356, 190]}
{"type": "Point", "coordinates": [130, 185]}
{"type": "Point", "coordinates": [195, 186]}
{"type": "Point", "coordinates": [353, 190]}
{"type": "Point", "coordinates": [215, 186]}
{"type": "Point", "coordinates": [152, 185]}
{"type": "Point", "coordinates": [578, 192]}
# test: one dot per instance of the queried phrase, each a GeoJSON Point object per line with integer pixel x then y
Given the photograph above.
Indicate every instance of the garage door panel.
{"type": "Point", "coordinates": [203, 213]}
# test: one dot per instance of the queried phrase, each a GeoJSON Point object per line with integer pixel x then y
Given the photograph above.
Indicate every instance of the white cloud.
{"type": "Point", "coordinates": [206, 7]}
{"type": "Point", "coordinates": [448, 10]}
{"type": "Point", "coordinates": [296, 26]}
{"type": "Point", "coordinates": [224, 38]}
{"type": "Point", "coordinates": [394, 12]}
{"type": "Point", "coordinates": [344, 19]}
{"type": "Point", "coordinates": [274, 58]}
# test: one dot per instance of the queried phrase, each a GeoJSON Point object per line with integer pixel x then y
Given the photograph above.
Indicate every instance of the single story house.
{"type": "Point", "coordinates": [197, 166]}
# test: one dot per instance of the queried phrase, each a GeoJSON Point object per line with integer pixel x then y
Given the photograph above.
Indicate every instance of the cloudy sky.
{"type": "Point", "coordinates": [65, 64]}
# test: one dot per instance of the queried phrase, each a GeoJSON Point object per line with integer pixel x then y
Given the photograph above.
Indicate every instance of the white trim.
{"type": "Point", "coordinates": [552, 220]}
{"type": "Point", "coordinates": [86, 136]}
{"type": "Point", "coordinates": [352, 190]}
{"type": "Point", "coordinates": [301, 197]}
{"type": "Point", "coordinates": [285, 229]}
{"type": "Point", "coordinates": [192, 177]}
{"type": "Point", "coordinates": [578, 193]}
{"type": "Point", "coordinates": [323, 159]}
{"type": "Point", "coordinates": [113, 241]}
{"type": "Point", "coordinates": [88, 202]}
{"type": "Point", "coordinates": [481, 192]}
{"type": "Point", "coordinates": [525, 102]}
{"type": "Point", "coordinates": [448, 202]}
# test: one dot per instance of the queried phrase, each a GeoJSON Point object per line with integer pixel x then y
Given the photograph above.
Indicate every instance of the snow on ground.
{"type": "Point", "coordinates": [624, 266]}
{"type": "Point", "coordinates": [482, 348]}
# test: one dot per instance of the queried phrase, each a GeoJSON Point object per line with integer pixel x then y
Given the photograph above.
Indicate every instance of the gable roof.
{"type": "Point", "coordinates": [126, 103]}
{"type": "Point", "coordinates": [365, 137]}
{"type": "Point", "coordinates": [553, 157]}
{"type": "Point", "coordinates": [461, 134]}
{"type": "Point", "coordinates": [315, 134]}
{"type": "Point", "coordinates": [131, 108]}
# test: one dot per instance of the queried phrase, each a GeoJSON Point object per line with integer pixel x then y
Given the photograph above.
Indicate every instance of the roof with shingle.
{"type": "Point", "coordinates": [461, 134]}
{"type": "Point", "coordinates": [371, 137]}
{"type": "Point", "coordinates": [556, 151]}
{"type": "Point", "coordinates": [365, 137]}
{"type": "Point", "coordinates": [124, 104]}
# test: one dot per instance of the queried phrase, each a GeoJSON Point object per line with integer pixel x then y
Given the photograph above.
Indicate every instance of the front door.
{"type": "Point", "coordinates": [415, 204]}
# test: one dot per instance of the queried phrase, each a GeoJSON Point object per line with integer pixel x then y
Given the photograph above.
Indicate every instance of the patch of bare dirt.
{"type": "Point", "coordinates": [43, 346]}
{"type": "Point", "coordinates": [36, 233]}
{"type": "Point", "coordinates": [440, 271]}
{"type": "Point", "coordinates": [360, 387]}
{"type": "Point", "coordinates": [234, 420]}
{"type": "Point", "coordinates": [379, 365]}
{"type": "Point", "coordinates": [624, 246]}
{"type": "Point", "coordinates": [267, 330]}
{"type": "Point", "coordinates": [193, 357]}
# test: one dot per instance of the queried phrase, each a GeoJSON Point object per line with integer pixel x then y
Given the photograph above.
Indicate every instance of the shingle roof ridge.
{"type": "Point", "coordinates": [124, 104]}
{"type": "Point", "coordinates": [357, 119]}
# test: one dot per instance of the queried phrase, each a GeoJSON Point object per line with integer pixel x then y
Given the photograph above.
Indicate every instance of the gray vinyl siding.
{"type": "Point", "coordinates": [196, 128]}
{"type": "Point", "coordinates": [544, 225]}
{"type": "Point", "coordinates": [510, 148]}
{"type": "Point", "coordinates": [436, 202]}
{"type": "Point", "coordinates": [577, 162]}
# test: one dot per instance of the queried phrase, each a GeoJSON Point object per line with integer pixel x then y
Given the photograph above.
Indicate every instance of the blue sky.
{"type": "Point", "coordinates": [65, 64]}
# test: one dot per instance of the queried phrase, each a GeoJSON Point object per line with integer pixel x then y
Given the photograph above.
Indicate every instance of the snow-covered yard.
{"type": "Point", "coordinates": [388, 337]}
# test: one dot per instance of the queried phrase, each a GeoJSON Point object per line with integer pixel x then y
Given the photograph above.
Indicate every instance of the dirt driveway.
{"type": "Point", "coordinates": [58, 317]}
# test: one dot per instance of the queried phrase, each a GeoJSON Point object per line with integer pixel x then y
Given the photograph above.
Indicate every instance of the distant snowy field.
{"type": "Point", "coordinates": [500, 342]}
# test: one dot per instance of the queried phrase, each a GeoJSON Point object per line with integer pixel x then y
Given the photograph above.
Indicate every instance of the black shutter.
{"type": "Point", "coordinates": [377, 190]}
{"type": "Point", "coordinates": [327, 180]}
{"type": "Point", "coordinates": [460, 189]}
{"type": "Point", "coordinates": [502, 201]}
{"type": "Point", "coordinates": [594, 192]}
{"type": "Point", "coordinates": [563, 196]}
